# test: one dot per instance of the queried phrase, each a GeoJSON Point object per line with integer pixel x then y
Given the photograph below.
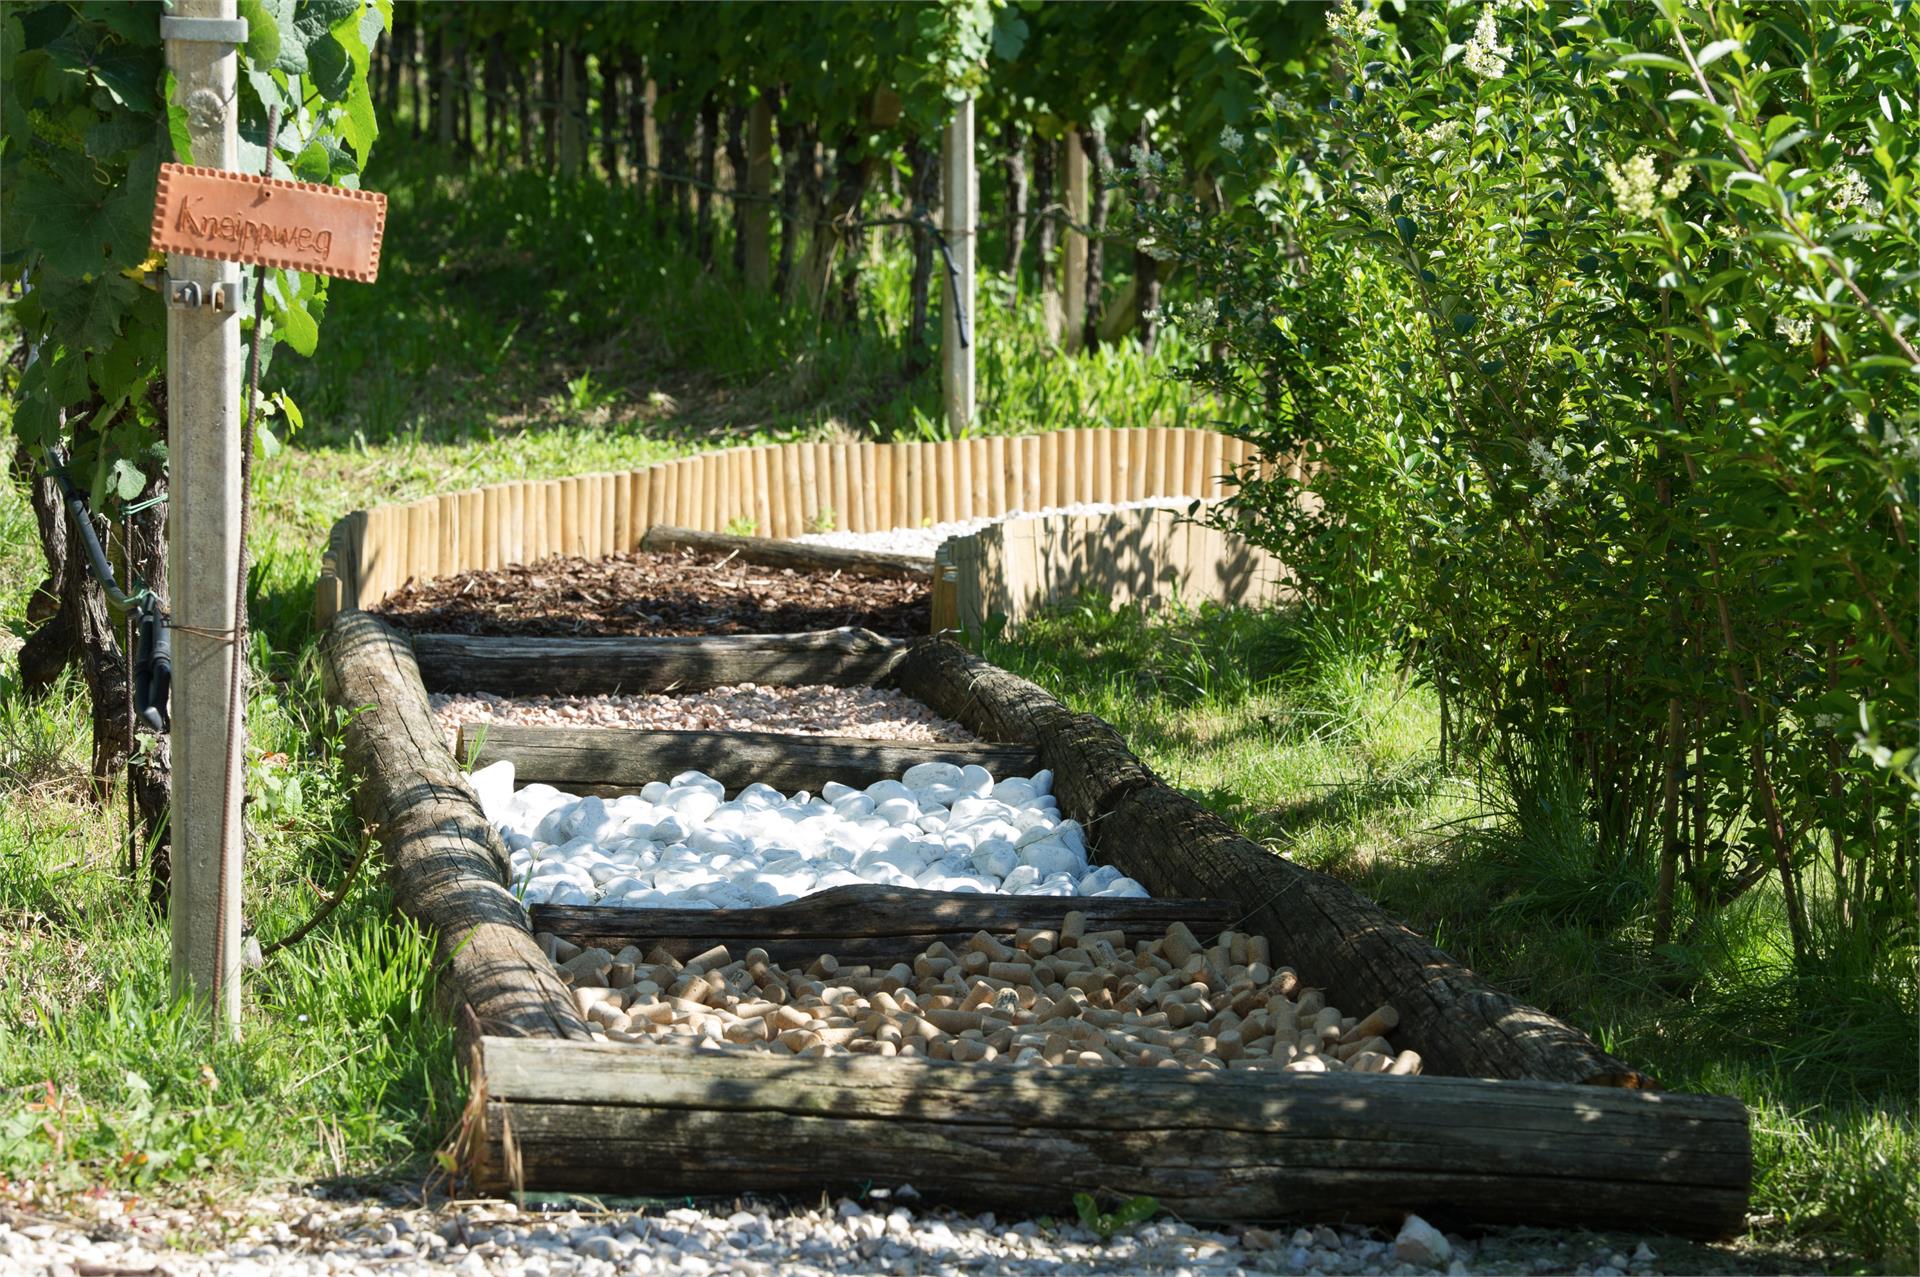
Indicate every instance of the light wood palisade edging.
{"type": "Point", "coordinates": [784, 489]}
{"type": "Point", "coordinates": [1236, 1145]}
{"type": "Point", "coordinates": [1016, 568]}
{"type": "Point", "coordinates": [448, 863]}
{"type": "Point", "coordinates": [1456, 1021]}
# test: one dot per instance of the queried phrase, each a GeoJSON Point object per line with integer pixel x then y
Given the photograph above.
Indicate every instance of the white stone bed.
{"type": "Point", "coordinates": [924, 541]}
{"type": "Point", "coordinates": [681, 844]}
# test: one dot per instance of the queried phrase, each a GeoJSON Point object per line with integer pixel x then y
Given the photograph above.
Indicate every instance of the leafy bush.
{"type": "Point", "coordinates": [1596, 326]}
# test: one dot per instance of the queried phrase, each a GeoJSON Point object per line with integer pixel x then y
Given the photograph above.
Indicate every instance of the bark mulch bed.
{"type": "Point", "coordinates": [665, 593]}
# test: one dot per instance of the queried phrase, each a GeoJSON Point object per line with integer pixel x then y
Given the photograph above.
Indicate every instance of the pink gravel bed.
{"type": "Point", "coordinates": [873, 713]}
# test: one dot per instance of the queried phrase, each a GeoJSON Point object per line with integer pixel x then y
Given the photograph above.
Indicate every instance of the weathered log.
{"type": "Point", "coordinates": [1092, 766]}
{"type": "Point", "coordinates": [847, 657]}
{"type": "Point", "coordinates": [802, 556]}
{"type": "Point", "coordinates": [1233, 1145]}
{"type": "Point", "coordinates": [449, 867]}
{"type": "Point", "coordinates": [612, 760]}
{"type": "Point", "coordinates": [866, 924]}
{"type": "Point", "coordinates": [1333, 935]}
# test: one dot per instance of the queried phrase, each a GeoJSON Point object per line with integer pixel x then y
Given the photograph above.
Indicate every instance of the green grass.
{"type": "Point", "coordinates": [1327, 758]}
{"type": "Point", "coordinates": [516, 335]}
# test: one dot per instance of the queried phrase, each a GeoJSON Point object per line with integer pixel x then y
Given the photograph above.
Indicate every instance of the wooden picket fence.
{"type": "Point", "coordinates": [776, 490]}
{"type": "Point", "coordinates": [1014, 569]}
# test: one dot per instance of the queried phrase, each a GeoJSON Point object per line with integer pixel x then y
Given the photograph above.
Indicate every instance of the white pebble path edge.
{"type": "Point", "coordinates": [924, 541]}
{"type": "Point", "coordinates": [682, 844]}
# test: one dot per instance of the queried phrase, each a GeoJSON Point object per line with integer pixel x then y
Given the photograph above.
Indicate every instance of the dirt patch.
{"type": "Point", "coordinates": [646, 592]}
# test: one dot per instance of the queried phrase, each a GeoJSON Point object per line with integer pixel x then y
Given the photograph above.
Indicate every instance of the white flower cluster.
{"type": "Point", "coordinates": [1204, 313]}
{"type": "Point", "coordinates": [1484, 55]}
{"type": "Point", "coordinates": [1797, 329]}
{"type": "Point", "coordinates": [1231, 139]}
{"type": "Point", "coordinates": [1350, 21]}
{"type": "Point", "coordinates": [1826, 722]}
{"type": "Point", "coordinates": [1853, 192]}
{"type": "Point", "coordinates": [1377, 197]}
{"type": "Point", "coordinates": [1904, 443]}
{"type": "Point", "coordinates": [1635, 186]}
{"type": "Point", "coordinates": [1148, 162]}
{"type": "Point", "coordinates": [1440, 133]}
{"type": "Point", "coordinates": [1550, 464]}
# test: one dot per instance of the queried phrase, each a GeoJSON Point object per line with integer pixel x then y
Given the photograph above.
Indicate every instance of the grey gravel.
{"type": "Point", "coordinates": [294, 1235]}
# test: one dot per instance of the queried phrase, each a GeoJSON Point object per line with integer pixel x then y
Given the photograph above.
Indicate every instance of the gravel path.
{"type": "Point", "coordinates": [873, 713]}
{"type": "Point", "coordinates": [887, 1232]}
{"type": "Point", "coordinates": [924, 541]}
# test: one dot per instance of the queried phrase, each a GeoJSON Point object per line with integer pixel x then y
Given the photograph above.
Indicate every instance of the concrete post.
{"type": "Point", "coordinates": [203, 547]}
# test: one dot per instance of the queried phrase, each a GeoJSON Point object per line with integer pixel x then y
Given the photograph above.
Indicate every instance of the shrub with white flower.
{"type": "Point", "coordinates": [1594, 462]}
{"type": "Point", "coordinates": [1349, 21]}
{"type": "Point", "coordinates": [1797, 330]}
{"type": "Point", "coordinates": [1852, 191]}
{"type": "Point", "coordinates": [1231, 140]}
{"type": "Point", "coordinates": [1484, 55]}
{"type": "Point", "coordinates": [1550, 463]}
{"type": "Point", "coordinates": [1636, 185]}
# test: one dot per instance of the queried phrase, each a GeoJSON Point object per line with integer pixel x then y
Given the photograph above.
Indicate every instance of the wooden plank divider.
{"type": "Point", "coordinates": [846, 657]}
{"type": "Point", "coordinates": [612, 760]}
{"type": "Point", "coordinates": [868, 923]}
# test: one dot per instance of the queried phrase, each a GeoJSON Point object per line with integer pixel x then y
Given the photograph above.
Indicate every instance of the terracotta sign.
{"type": "Point", "coordinates": [241, 217]}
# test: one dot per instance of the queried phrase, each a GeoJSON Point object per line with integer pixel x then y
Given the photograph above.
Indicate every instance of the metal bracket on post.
{"type": "Point", "coordinates": [204, 30]}
{"type": "Point", "coordinates": [185, 294]}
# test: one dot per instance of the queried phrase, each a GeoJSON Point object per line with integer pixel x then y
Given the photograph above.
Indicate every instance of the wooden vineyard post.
{"type": "Point", "coordinates": [960, 211]}
{"type": "Point", "coordinates": [1074, 278]}
{"type": "Point", "coordinates": [757, 219]}
{"type": "Point", "coordinates": [203, 544]}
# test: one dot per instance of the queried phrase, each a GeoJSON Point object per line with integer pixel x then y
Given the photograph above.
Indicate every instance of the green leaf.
{"type": "Point", "coordinates": [119, 133]}
{"type": "Point", "coordinates": [296, 422]}
{"type": "Point", "coordinates": [90, 314]}
{"type": "Point", "coordinates": [298, 328]}
{"type": "Point", "coordinates": [81, 220]}
{"type": "Point", "coordinates": [132, 73]}
{"type": "Point", "coordinates": [1665, 62]}
{"type": "Point", "coordinates": [1715, 51]}
{"type": "Point", "coordinates": [125, 480]}
{"type": "Point", "coordinates": [329, 69]}
{"type": "Point", "coordinates": [134, 23]}
{"type": "Point", "coordinates": [264, 21]}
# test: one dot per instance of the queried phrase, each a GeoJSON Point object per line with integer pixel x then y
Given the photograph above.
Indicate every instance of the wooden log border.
{"type": "Point", "coordinates": [449, 866]}
{"type": "Point", "coordinates": [1458, 1023]}
{"type": "Point", "coordinates": [667, 1120]}
{"type": "Point", "coordinates": [1539, 1126]}
{"type": "Point", "coordinates": [785, 489]}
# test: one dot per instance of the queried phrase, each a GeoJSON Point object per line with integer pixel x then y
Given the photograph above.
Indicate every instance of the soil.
{"type": "Point", "coordinates": [646, 592]}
